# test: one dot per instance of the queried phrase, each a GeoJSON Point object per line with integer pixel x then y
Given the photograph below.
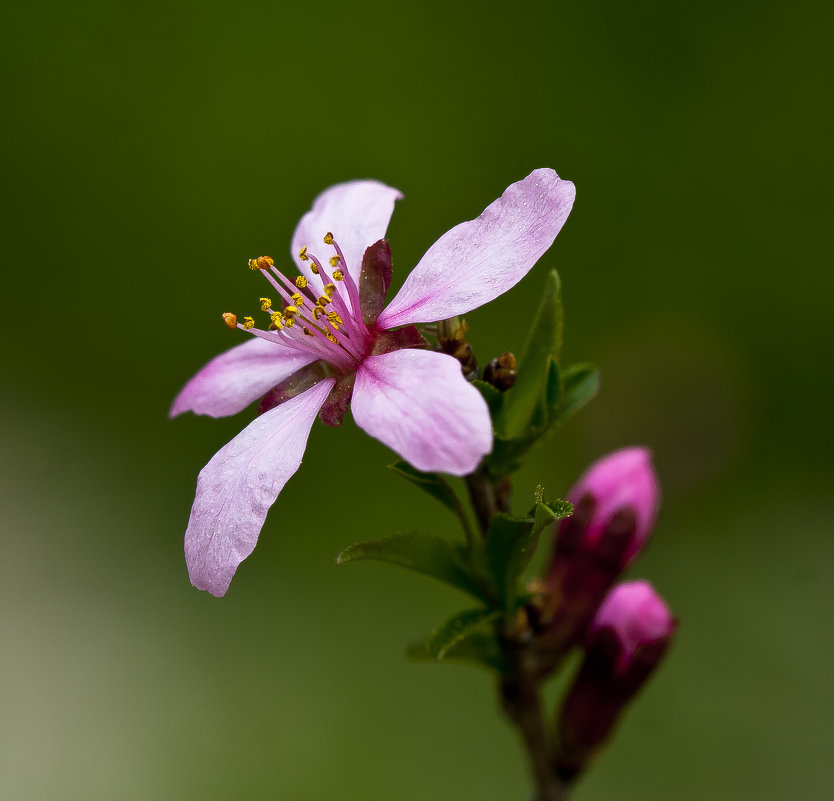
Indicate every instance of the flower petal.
{"type": "Point", "coordinates": [237, 487]}
{"type": "Point", "coordinates": [357, 213]}
{"type": "Point", "coordinates": [419, 404]}
{"type": "Point", "coordinates": [479, 260]}
{"type": "Point", "coordinates": [236, 378]}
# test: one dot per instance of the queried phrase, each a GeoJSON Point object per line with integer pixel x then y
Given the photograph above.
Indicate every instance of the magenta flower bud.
{"type": "Point", "coordinates": [626, 641]}
{"type": "Point", "coordinates": [616, 502]}
{"type": "Point", "coordinates": [620, 485]}
{"type": "Point", "coordinates": [639, 618]}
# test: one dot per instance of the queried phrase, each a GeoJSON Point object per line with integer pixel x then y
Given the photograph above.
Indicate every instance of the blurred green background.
{"type": "Point", "coordinates": [151, 148]}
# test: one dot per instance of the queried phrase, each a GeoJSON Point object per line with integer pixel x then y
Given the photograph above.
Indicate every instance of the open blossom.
{"type": "Point", "coordinates": [329, 342]}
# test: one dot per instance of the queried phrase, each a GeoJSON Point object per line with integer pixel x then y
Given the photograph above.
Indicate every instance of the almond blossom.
{"type": "Point", "coordinates": [329, 343]}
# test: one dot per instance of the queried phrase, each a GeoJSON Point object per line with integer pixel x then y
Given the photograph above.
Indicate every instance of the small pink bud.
{"type": "Point", "coordinates": [616, 502]}
{"type": "Point", "coordinates": [626, 641]}
{"type": "Point", "coordinates": [639, 618]}
{"type": "Point", "coordinates": [620, 485]}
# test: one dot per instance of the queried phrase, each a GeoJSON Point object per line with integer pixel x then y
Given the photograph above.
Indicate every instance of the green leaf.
{"type": "Point", "coordinates": [580, 382]}
{"type": "Point", "coordinates": [480, 646]}
{"type": "Point", "coordinates": [437, 487]}
{"type": "Point", "coordinates": [456, 629]}
{"type": "Point", "coordinates": [493, 396]}
{"type": "Point", "coordinates": [510, 545]}
{"type": "Point", "coordinates": [422, 553]}
{"type": "Point", "coordinates": [543, 347]}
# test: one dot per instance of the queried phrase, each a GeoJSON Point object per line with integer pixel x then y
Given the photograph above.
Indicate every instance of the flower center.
{"type": "Point", "coordinates": [327, 325]}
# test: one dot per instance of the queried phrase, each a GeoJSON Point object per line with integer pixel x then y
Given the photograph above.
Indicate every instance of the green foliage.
{"type": "Point", "coordinates": [542, 349]}
{"type": "Point", "coordinates": [423, 553]}
{"type": "Point", "coordinates": [544, 394]}
{"type": "Point", "coordinates": [433, 484]}
{"type": "Point", "coordinates": [456, 629]}
{"type": "Point", "coordinates": [509, 546]}
{"type": "Point", "coordinates": [580, 384]}
{"type": "Point", "coordinates": [479, 646]}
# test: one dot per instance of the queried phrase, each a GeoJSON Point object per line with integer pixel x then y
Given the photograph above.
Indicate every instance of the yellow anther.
{"type": "Point", "coordinates": [334, 318]}
{"type": "Point", "coordinates": [290, 311]}
{"type": "Point", "coordinates": [338, 275]}
{"type": "Point", "coordinates": [261, 263]}
{"type": "Point", "coordinates": [328, 238]}
{"type": "Point", "coordinates": [308, 332]}
{"type": "Point", "coordinates": [230, 320]}
{"type": "Point", "coordinates": [315, 268]}
{"type": "Point", "coordinates": [248, 322]}
{"type": "Point", "coordinates": [323, 300]}
{"type": "Point", "coordinates": [329, 289]}
{"type": "Point", "coordinates": [331, 337]}
{"type": "Point", "coordinates": [334, 261]}
{"type": "Point", "coordinates": [297, 298]}
{"type": "Point", "coordinates": [301, 282]}
{"type": "Point", "coordinates": [317, 312]}
{"type": "Point", "coordinates": [289, 322]}
{"type": "Point", "coordinates": [276, 326]}
{"type": "Point", "coordinates": [276, 317]}
{"type": "Point", "coordinates": [302, 254]}
{"type": "Point", "coordinates": [266, 304]}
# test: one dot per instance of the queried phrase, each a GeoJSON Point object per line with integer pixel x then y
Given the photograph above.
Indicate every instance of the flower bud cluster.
{"type": "Point", "coordinates": [624, 628]}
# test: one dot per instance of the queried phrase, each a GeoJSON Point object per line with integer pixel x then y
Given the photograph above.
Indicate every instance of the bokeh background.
{"type": "Point", "coordinates": [149, 149]}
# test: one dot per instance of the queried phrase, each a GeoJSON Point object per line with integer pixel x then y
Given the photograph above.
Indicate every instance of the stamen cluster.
{"type": "Point", "coordinates": [303, 322]}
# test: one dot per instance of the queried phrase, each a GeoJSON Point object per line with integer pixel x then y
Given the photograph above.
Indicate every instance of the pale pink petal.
{"type": "Point", "coordinates": [236, 378]}
{"type": "Point", "coordinates": [357, 213]}
{"type": "Point", "coordinates": [237, 487]}
{"type": "Point", "coordinates": [479, 260]}
{"type": "Point", "coordinates": [419, 404]}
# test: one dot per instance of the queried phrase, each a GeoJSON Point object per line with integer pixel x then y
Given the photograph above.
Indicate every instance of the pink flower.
{"type": "Point", "coordinates": [621, 488]}
{"type": "Point", "coordinates": [637, 616]}
{"type": "Point", "coordinates": [330, 342]}
{"type": "Point", "coordinates": [616, 502]}
{"type": "Point", "coordinates": [624, 645]}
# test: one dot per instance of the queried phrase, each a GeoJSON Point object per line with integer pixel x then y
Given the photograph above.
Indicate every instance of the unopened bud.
{"type": "Point", "coordinates": [615, 506]}
{"type": "Point", "coordinates": [626, 641]}
{"type": "Point", "coordinates": [622, 483]}
{"type": "Point", "coordinates": [501, 372]}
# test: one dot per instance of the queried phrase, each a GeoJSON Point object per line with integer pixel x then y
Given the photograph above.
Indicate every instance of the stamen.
{"type": "Point", "coordinates": [334, 320]}
{"type": "Point", "coordinates": [248, 323]}
{"type": "Point", "coordinates": [302, 254]}
{"type": "Point", "coordinates": [297, 298]}
{"type": "Point", "coordinates": [334, 261]}
{"type": "Point", "coordinates": [323, 300]}
{"type": "Point", "coordinates": [290, 311]}
{"type": "Point", "coordinates": [308, 331]}
{"type": "Point", "coordinates": [230, 320]}
{"type": "Point", "coordinates": [261, 263]}
{"type": "Point", "coordinates": [332, 338]}
{"type": "Point", "coordinates": [266, 304]}
{"type": "Point", "coordinates": [338, 275]}
{"type": "Point", "coordinates": [314, 268]}
{"type": "Point", "coordinates": [328, 238]}
{"type": "Point", "coordinates": [329, 289]}
{"type": "Point", "coordinates": [317, 311]}
{"type": "Point", "coordinates": [301, 282]}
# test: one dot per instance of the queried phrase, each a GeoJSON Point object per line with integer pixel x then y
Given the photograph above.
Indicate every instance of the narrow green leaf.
{"type": "Point", "coordinates": [543, 347]}
{"type": "Point", "coordinates": [422, 553]}
{"type": "Point", "coordinates": [509, 547]}
{"type": "Point", "coordinates": [456, 629]}
{"type": "Point", "coordinates": [580, 382]}
{"type": "Point", "coordinates": [480, 646]}
{"type": "Point", "coordinates": [433, 484]}
{"type": "Point", "coordinates": [492, 396]}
